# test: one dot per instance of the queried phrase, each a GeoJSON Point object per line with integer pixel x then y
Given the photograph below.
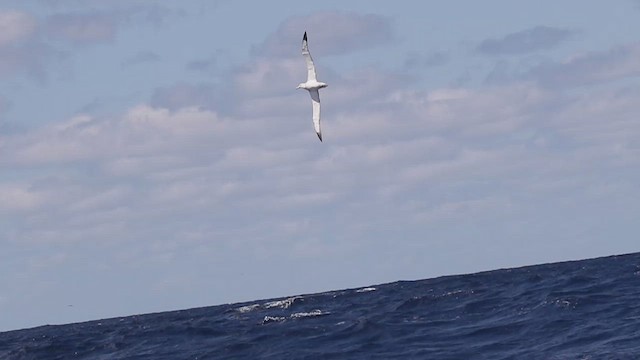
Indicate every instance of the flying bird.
{"type": "Point", "coordinates": [312, 85]}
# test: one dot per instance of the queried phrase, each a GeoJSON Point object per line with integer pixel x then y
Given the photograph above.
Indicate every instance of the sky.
{"type": "Point", "coordinates": [157, 156]}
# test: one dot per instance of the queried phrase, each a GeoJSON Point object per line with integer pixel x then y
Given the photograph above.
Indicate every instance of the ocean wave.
{"type": "Point", "coordinates": [284, 303]}
{"type": "Point", "coordinates": [367, 289]}
{"type": "Point", "coordinates": [576, 310]}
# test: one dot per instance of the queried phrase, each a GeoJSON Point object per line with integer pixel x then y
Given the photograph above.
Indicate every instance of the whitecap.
{"type": "Point", "coordinates": [316, 312]}
{"type": "Point", "coordinates": [247, 308]}
{"type": "Point", "coordinates": [284, 304]}
{"type": "Point", "coordinates": [367, 289]}
{"type": "Point", "coordinates": [269, 319]}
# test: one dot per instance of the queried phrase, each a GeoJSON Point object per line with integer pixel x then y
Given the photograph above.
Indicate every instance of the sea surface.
{"type": "Point", "coordinates": [586, 309]}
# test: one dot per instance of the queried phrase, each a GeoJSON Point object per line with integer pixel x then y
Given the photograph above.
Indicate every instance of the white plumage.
{"type": "Point", "coordinates": [312, 85]}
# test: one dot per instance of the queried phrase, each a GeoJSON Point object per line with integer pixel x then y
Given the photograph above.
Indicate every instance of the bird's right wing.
{"type": "Point", "coordinates": [311, 69]}
{"type": "Point", "coordinates": [315, 99]}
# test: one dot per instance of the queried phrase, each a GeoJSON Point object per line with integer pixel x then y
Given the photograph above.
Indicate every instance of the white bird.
{"type": "Point", "coordinates": [312, 85]}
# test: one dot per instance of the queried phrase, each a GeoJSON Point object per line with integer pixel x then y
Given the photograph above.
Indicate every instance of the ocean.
{"type": "Point", "coordinates": [587, 309]}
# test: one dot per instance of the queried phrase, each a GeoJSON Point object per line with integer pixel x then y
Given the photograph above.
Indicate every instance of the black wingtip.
{"type": "Point", "coordinates": [319, 136]}
{"type": "Point", "coordinates": [304, 38]}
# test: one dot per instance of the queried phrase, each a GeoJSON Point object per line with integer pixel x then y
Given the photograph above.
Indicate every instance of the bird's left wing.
{"type": "Point", "coordinates": [311, 69]}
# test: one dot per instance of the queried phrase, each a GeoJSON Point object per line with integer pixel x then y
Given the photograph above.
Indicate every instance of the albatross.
{"type": "Point", "coordinates": [312, 85]}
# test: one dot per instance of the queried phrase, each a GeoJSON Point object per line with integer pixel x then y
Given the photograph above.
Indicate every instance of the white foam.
{"type": "Point", "coordinates": [247, 308]}
{"type": "Point", "coordinates": [367, 289]}
{"type": "Point", "coordinates": [316, 312]}
{"type": "Point", "coordinates": [268, 319]}
{"type": "Point", "coordinates": [284, 304]}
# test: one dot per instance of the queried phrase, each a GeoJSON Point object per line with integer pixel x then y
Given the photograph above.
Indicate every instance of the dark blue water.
{"type": "Point", "coordinates": [574, 310]}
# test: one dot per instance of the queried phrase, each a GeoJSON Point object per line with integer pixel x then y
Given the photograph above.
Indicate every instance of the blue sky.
{"type": "Point", "coordinates": [157, 155]}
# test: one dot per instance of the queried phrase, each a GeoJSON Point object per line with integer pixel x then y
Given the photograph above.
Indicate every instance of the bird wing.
{"type": "Point", "coordinates": [311, 68]}
{"type": "Point", "coordinates": [315, 99]}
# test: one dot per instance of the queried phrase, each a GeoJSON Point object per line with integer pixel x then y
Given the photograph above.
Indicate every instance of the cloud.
{"type": "Point", "coordinates": [82, 28]}
{"type": "Point", "coordinates": [30, 58]}
{"type": "Point", "coordinates": [203, 65]}
{"type": "Point", "coordinates": [4, 106]}
{"type": "Point", "coordinates": [18, 197]}
{"type": "Point", "coordinates": [603, 121]}
{"type": "Point", "coordinates": [525, 41]}
{"type": "Point", "coordinates": [15, 27]}
{"type": "Point", "coordinates": [21, 48]}
{"type": "Point", "coordinates": [620, 62]}
{"type": "Point", "coordinates": [192, 159]}
{"type": "Point", "coordinates": [147, 11]}
{"type": "Point", "coordinates": [30, 45]}
{"type": "Point", "coordinates": [142, 130]}
{"type": "Point", "coordinates": [264, 77]}
{"type": "Point", "coordinates": [142, 57]}
{"type": "Point", "coordinates": [433, 59]}
{"type": "Point", "coordinates": [385, 144]}
{"type": "Point", "coordinates": [579, 70]}
{"type": "Point", "coordinates": [26, 44]}
{"type": "Point", "coordinates": [348, 32]}
{"type": "Point", "coordinates": [183, 95]}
